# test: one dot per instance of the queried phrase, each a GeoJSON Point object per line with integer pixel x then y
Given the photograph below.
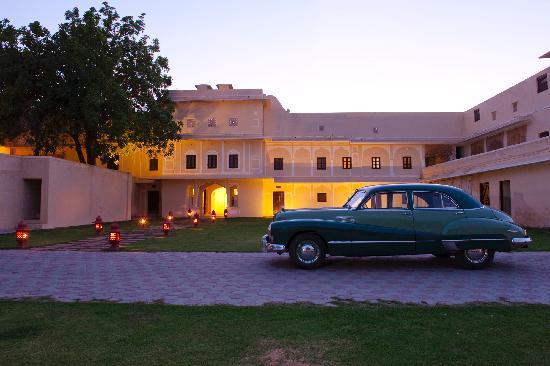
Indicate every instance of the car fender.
{"type": "Point", "coordinates": [476, 232]}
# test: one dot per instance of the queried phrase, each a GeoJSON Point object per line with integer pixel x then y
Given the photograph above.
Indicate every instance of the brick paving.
{"type": "Point", "coordinates": [257, 278]}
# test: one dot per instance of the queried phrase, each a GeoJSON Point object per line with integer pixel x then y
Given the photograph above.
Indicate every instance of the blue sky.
{"type": "Point", "coordinates": [332, 56]}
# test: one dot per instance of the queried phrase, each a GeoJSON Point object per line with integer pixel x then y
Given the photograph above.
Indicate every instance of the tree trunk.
{"type": "Point", "coordinates": [78, 148]}
{"type": "Point", "coordinates": [90, 150]}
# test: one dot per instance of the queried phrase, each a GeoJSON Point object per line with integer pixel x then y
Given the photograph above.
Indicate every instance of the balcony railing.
{"type": "Point", "coordinates": [510, 156]}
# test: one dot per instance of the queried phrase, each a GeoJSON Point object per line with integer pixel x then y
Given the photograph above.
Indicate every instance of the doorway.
{"type": "Point", "coordinates": [278, 201]}
{"type": "Point", "coordinates": [153, 203]}
{"type": "Point", "coordinates": [214, 199]}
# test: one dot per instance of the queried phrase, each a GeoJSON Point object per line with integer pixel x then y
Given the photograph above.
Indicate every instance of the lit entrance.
{"type": "Point", "coordinates": [215, 198]}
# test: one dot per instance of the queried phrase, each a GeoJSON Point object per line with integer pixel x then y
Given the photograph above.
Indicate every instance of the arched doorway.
{"type": "Point", "coordinates": [215, 198]}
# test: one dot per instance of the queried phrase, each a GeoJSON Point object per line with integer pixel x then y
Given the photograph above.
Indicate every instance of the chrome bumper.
{"type": "Point", "coordinates": [268, 247]}
{"type": "Point", "coordinates": [521, 242]}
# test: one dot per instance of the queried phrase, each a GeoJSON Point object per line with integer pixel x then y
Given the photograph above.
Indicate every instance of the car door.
{"type": "Point", "coordinates": [432, 212]}
{"type": "Point", "coordinates": [384, 225]}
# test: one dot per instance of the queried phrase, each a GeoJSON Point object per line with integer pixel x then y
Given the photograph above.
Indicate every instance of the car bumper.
{"type": "Point", "coordinates": [521, 242]}
{"type": "Point", "coordinates": [268, 247]}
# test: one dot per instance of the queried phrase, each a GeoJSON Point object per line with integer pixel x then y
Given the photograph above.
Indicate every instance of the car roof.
{"type": "Point", "coordinates": [462, 198]}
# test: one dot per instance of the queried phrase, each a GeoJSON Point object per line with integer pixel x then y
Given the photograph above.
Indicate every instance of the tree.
{"type": "Point", "coordinates": [109, 88]}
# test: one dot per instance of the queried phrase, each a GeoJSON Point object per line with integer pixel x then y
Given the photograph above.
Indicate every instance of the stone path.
{"type": "Point", "coordinates": [258, 278]}
{"type": "Point", "coordinates": [100, 243]}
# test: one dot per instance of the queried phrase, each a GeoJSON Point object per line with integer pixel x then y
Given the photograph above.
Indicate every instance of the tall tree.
{"type": "Point", "coordinates": [108, 89]}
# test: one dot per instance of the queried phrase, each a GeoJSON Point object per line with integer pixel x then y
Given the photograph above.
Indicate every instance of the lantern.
{"type": "Point", "coordinates": [166, 227]}
{"type": "Point", "coordinates": [189, 212]}
{"type": "Point", "coordinates": [98, 225]}
{"type": "Point", "coordinates": [142, 221]}
{"type": "Point", "coordinates": [213, 216]}
{"type": "Point", "coordinates": [22, 235]}
{"type": "Point", "coordinates": [114, 236]}
{"type": "Point", "coordinates": [170, 216]}
{"type": "Point", "coordinates": [225, 213]}
{"type": "Point", "coordinates": [196, 220]}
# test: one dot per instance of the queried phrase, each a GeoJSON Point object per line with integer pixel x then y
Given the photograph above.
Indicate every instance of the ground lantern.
{"type": "Point", "coordinates": [170, 216]}
{"type": "Point", "coordinates": [142, 221]}
{"type": "Point", "coordinates": [196, 220]}
{"type": "Point", "coordinates": [98, 225]}
{"type": "Point", "coordinates": [213, 216]}
{"type": "Point", "coordinates": [189, 212]}
{"type": "Point", "coordinates": [22, 235]}
{"type": "Point", "coordinates": [225, 213]}
{"type": "Point", "coordinates": [166, 227]}
{"type": "Point", "coordinates": [114, 236]}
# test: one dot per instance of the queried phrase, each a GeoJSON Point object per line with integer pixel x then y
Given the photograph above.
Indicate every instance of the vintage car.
{"type": "Point", "coordinates": [397, 219]}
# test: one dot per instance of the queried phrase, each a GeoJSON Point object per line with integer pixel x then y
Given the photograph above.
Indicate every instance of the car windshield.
{"type": "Point", "coordinates": [355, 200]}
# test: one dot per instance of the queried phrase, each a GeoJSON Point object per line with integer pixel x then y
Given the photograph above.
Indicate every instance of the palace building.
{"type": "Point", "coordinates": [240, 149]}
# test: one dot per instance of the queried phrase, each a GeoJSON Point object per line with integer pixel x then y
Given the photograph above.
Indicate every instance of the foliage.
{"type": "Point", "coordinates": [97, 83]}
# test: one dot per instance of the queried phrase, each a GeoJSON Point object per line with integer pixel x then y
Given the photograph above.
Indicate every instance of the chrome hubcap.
{"type": "Point", "coordinates": [476, 255]}
{"type": "Point", "coordinates": [308, 252]}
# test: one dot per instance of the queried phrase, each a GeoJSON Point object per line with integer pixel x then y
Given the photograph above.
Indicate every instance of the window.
{"type": "Point", "coordinates": [191, 123]}
{"type": "Point", "coordinates": [459, 152]}
{"type": "Point", "coordinates": [495, 142]}
{"type": "Point", "coordinates": [321, 128]}
{"type": "Point", "coordinates": [505, 197]}
{"type": "Point", "coordinates": [154, 164]}
{"type": "Point", "coordinates": [477, 115]}
{"type": "Point", "coordinates": [211, 122]}
{"type": "Point", "coordinates": [375, 162]}
{"type": "Point", "coordinates": [407, 162]}
{"type": "Point", "coordinates": [321, 163]}
{"type": "Point", "coordinates": [278, 164]}
{"type": "Point", "coordinates": [233, 122]}
{"type": "Point", "coordinates": [542, 83]}
{"type": "Point", "coordinates": [212, 162]}
{"type": "Point", "coordinates": [321, 197]}
{"type": "Point", "coordinates": [477, 147]}
{"type": "Point", "coordinates": [387, 200]}
{"type": "Point", "coordinates": [494, 115]}
{"type": "Point", "coordinates": [484, 195]}
{"type": "Point", "coordinates": [517, 135]}
{"type": "Point", "coordinates": [433, 200]}
{"type": "Point", "coordinates": [515, 107]}
{"type": "Point", "coordinates": [233, 197]}
{"type": "Point", "coordinates": [190, 161]}
{"type": "Point", "coordinates": [544, 134]}
{"type": "Point", "coordinates": [233, 161]}
{"type": "Point", "coordinates": [346, 162]}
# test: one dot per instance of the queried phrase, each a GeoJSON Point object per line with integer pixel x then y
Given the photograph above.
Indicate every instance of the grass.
{"type": "Point", "coordinates": [231, 235]}
{"type": "Point", "coordinates": [49, 333]}
{"type": "Point", "coordinates": [62, 235]}
{"type": "Point", "coordinates": [541, 240]}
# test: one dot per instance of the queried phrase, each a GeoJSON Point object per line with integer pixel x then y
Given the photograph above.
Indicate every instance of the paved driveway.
{"type": "Point", "coordinates": [256, 278]}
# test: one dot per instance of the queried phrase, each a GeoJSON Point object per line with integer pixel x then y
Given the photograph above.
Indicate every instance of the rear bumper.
{"type": "Point", "coordinates": [268, 247]}
{"type": "Point", "coordinates": [521, 242]}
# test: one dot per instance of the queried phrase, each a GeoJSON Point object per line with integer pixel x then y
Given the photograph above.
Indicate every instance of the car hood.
{"type": "Point", "coordinates": [328, 213]}
{"type": "Point", "coordinates": [502, 216]}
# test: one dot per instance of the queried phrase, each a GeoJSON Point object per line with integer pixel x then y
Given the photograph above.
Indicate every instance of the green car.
{"type": "Point", "coordinates": [397, 219]}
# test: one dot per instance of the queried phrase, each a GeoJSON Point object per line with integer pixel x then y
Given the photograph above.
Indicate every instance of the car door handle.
{"type": "Point", "coordinates": [406, 213]}
{"type": "Point", "coordinates": [346, 219]}
{"type": "Point", "coordinates": [459, 213]}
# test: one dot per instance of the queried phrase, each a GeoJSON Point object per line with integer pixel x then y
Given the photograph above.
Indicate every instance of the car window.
{"type": "Point", "coordinates": [433, 200]}
{"type": "Point", "coordinates": [355, 200]}
{"type": "Point", "coordinates": [385, 200]}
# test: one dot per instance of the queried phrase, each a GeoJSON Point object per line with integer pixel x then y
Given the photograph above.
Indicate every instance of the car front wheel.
{"type": "Point", "coordinates": [308, 251]}
{"type": "Point", "coordinates": [475, 258]}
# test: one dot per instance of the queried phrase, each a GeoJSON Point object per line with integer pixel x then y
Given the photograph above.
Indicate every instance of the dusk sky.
{"type": "Point", "coordinates": [331, 56]}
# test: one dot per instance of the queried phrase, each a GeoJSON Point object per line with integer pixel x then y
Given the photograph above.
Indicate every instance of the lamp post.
{"type": "Point", "coordinates": [114, 236]}
{"type": "Point", "coordinates": [213, 216]}
{"type": "Point", "coordinates": [98, 225]}
{"type": "Point", "coordinates": [196, 219]}
{"type": "Point", "coordinates": [22, 235]}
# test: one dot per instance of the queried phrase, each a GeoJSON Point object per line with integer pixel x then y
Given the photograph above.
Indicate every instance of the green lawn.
{"type": "Point", "coordinates": [138, 334]}
{"type": "Point", "coordinates": [62, 235]}
{"type": "Point", "coordinates": [231, 235]}
{"type": "Point", "coordinates": [541, 239]}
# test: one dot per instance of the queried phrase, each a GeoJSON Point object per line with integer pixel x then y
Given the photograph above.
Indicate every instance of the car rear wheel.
{"type": "Point", "coordinates": [307, 251]}
{"type": "Point", "coordinates": [475, 258]}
